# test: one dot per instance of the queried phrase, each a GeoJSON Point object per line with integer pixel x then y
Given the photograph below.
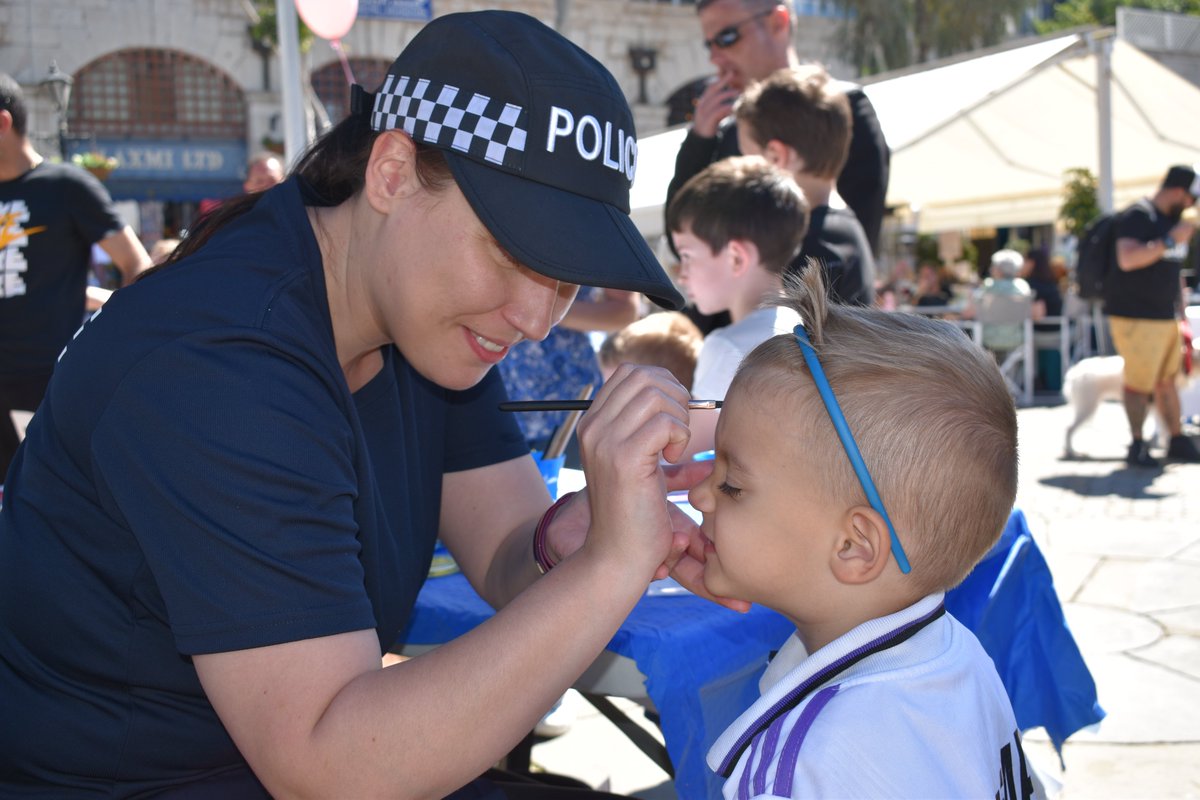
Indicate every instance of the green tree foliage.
{"type": "Point", "coordinates": [1080, 205]}
{"type": "Point", "coordinates": [881, 35]}
{"type": "Point", "coordinates": [265, 30]}
{"type": "Point", "coordinates": [1073, 13]}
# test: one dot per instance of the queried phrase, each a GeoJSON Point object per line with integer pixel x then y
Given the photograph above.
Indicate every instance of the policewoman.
{"type": "Point", "coordinates": [225, 508]}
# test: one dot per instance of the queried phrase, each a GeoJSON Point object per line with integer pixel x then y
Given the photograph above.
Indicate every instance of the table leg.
{"type": "Point", "coordinates": [653, 748]}
{"type": "Point", "coordinates": [520, 758]}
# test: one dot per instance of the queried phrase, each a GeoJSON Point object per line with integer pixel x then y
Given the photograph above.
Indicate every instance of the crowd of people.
{"type": "Point", "coordinates": [229, 496]}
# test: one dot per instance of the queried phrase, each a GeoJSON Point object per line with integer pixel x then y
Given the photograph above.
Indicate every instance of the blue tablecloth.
{"type": "Point", "coordinates": [1009, 602]}
{"type": "Point", "coordinates": [703, 662]}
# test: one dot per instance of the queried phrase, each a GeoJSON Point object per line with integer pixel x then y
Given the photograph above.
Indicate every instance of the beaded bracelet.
{"type": "Point", "coordinates": [541, 556]}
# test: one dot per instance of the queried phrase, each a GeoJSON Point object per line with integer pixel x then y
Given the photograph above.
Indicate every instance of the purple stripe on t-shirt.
{"type": "Point", "coordinates": [744, 782]}
{"type": "Point", "coordinates": [786, 770]}
{"type": "Point", "coordinates": [770, 740]}
{"type": "Point", "coordinates": [797, 694]}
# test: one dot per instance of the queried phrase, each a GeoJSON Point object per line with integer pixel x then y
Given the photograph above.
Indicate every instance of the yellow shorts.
{"type": "Point", "coordinates": [1151, 348]}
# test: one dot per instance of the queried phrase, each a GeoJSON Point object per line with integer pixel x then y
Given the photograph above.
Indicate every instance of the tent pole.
{"type": "Point", "coordinates": [1104, 194]}
{"type": "Point", "coordinates": [295, 129]}
{"type": "Point", "coordinates": [1104, 183]}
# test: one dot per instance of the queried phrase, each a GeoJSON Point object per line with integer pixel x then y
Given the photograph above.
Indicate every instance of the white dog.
{"type": "Point", "coordinates": [1099, 378]}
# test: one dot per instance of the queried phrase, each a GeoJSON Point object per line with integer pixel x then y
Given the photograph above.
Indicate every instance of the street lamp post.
{"type": "Point", "coordinates": [58, 83]}
{"type": "Point", "coordinates": [643, 60]}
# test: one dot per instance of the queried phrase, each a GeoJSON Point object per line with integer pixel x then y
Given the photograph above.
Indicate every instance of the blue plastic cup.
{"type": "Point", "coordinates": [550, 468]}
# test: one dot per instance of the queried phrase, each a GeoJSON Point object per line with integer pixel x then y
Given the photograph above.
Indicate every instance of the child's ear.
{"type": "Point", "coordinates": [743, 254]}
{"type": "Point", "coordinates": [784, 156]}
{"type": "Point", "coordinates": [774, 152]}
{"type": "Point", "coordinates": [863, 548]}
{"type": "Point", "coordinates": [781, 155]}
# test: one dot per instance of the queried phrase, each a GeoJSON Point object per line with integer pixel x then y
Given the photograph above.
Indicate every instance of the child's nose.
{"type": "Point", "coordinates": [700, 495]}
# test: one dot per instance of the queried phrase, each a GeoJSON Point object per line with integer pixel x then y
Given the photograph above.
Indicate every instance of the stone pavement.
{"type": "Point", "coordinates": [1124, 548]}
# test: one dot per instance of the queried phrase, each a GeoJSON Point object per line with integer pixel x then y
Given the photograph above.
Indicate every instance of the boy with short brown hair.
{"type": "Point", "coordinates": [735, 226]}
{"type": "Point", "coordinates": [799, 120]}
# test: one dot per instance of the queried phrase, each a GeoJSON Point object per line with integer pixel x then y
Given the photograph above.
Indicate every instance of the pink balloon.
{"type": "Point", "coordinates": [329, 19]}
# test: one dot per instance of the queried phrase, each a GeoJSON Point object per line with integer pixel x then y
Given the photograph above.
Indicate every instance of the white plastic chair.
{"type": "Point", "coordinates": [1004, 327]}
{"type": "Point", "coordinates": [1073, 334]}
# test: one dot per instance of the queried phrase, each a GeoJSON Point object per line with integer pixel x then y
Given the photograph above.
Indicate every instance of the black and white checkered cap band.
{"type": "Point", "coordinates": [445, 116]}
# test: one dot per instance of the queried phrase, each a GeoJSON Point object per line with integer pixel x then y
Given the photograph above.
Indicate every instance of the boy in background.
{"type": "Point", "coordinates": [879, 693]}
{"type": "Point", "coordinates": [799, 121]}
{"type": "Point", "coordinates": [736, 225]}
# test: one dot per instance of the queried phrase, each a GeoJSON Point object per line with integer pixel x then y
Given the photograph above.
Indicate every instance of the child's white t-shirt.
{"type": "Point", "coordinates": [908, 705]}
{"type": "Point", "coordinates": [724, 348]}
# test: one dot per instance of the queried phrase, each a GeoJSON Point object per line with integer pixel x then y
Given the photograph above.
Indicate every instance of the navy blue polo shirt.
{"type": "Point", "coordinates": [200, 479]}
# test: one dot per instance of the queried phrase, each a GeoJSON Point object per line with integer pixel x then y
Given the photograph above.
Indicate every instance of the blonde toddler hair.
{"type": "Point", "coordinates": [929, 410]}
{"type": "Point", "coordinates": [666, 339]}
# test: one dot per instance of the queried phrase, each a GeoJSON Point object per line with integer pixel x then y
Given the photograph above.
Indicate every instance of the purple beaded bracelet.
{"type": "Point", "coordinates": [541, 556]}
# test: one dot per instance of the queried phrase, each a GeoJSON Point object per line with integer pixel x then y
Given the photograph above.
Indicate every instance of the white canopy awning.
{"type": "Point", "coordinates": [655, 168]}
{"type": "Point", "coordinates": [985, 141]}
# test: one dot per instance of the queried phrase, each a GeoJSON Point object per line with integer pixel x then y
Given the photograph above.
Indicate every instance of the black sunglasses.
{"type": "Point", "coordinates": [731, 35]}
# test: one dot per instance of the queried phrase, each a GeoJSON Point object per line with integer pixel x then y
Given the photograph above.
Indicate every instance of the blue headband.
{"type": "Point", "coordinates": [843, 431]}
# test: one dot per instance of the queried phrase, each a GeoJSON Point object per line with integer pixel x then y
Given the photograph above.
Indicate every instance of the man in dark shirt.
{"type": "Point", "coordinates": [747, 40]}
{"type": "Point", "coordinates": [1144, 302]}
{"type": "Point", "coordinates": [50, 216]}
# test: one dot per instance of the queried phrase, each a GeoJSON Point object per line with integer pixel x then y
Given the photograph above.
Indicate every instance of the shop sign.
{"type": "Point", "coordinates": [415, 10]}
{"type": "Point", "coordinates": [166, 160]}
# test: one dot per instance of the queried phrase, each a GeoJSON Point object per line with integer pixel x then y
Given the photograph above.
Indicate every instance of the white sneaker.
{"type": "Point", "coordinates": [558, 720]}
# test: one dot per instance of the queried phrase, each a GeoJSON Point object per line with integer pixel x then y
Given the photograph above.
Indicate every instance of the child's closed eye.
{"type": "Point", "coordinates": [731, 491]}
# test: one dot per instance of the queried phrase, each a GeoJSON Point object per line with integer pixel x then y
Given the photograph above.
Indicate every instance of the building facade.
{"type": "Point", "coordinates": [182, 92]}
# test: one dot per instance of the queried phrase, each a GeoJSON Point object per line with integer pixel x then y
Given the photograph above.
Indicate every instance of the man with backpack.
{"type": "Point", "coordinates": [1143, 298]}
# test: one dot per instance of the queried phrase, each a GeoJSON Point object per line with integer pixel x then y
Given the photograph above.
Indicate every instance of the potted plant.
{"type": "Point", "coordinates": [98, 164]}
{"type": "Point", "coordinates": [1080, 204]}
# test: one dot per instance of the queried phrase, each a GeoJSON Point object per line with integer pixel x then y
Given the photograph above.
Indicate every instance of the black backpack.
{"type": "Point", "coordinates": [1097, 255]}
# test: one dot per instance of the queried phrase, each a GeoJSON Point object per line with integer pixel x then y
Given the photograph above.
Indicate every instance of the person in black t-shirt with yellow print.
{"type": "Point", "coordinates": [50, 216]}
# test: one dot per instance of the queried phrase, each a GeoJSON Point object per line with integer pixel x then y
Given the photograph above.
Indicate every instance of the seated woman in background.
{"type": "Point", "coordinates": [930, 289]}
{"type": "Point", "coordinates": [899, 289]}
{"type": "Point", "coordinates": [1047, 298]}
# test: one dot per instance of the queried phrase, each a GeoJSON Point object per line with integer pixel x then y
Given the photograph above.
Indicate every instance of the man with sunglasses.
{"type": "Point", "coordinates": [747, 40]}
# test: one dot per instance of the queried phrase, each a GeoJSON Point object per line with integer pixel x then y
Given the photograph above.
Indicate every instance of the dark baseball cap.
{"type": "Point", "coordinates": [540, 140]}
{"type": "Point", "coordinates": [1182, 177]}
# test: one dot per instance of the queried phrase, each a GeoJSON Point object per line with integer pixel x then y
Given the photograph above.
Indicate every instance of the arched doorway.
{"type": "Point", "coordinates": [176, 125]}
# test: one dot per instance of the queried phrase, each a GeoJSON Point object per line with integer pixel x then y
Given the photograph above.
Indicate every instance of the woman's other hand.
{"type": "Point", "coordinates": [650, 480]}
{"type": "Point", "coordinates": [638, 418]}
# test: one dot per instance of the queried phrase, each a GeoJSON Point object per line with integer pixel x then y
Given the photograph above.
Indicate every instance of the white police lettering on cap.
{"type": "Point", "coordinates": [619, 154]}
